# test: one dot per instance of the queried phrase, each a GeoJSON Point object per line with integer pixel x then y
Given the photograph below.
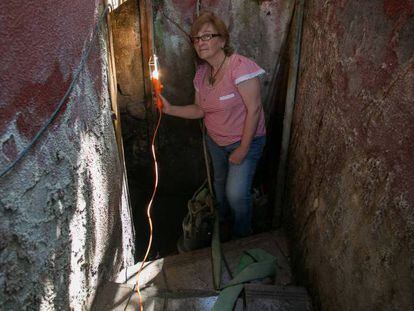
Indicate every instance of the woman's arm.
{"type": "Point", "coordinates": [250, 92]}
{"type": "Point", "coordinates": [188, 112]}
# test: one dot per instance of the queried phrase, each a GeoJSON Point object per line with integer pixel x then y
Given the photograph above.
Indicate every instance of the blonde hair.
{"type": "Point", "coordinates": [206, 17]}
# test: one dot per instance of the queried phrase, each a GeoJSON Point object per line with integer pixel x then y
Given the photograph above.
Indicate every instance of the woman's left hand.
{"type": "Point", "coordinates": [238, 155]}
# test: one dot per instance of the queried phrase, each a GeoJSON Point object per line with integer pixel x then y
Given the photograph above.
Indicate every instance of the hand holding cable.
{"type": "Point", "coordinates": [166, 106]}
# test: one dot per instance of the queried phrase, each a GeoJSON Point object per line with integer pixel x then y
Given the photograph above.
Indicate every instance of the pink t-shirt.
{"type": "Point", "coordinates": [223, 106]}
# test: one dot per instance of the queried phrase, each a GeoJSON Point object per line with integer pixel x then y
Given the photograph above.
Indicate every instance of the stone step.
{"type": "Point", "coordinates": [120, 297]}
{"type": "Point", "coordinates": [192, 270]}
{"type": "Point", "coordinates": [185, 281]}
{"type": "Point", "coordinates": [258, 297]}
{"type": "Point", "coordinates": [276, 298]}
{"type": "Point", "coordinates": [116, 297]}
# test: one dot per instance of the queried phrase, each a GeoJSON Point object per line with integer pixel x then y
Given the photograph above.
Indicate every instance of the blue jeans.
{"type": "Point", "coordinates": [232, 183]}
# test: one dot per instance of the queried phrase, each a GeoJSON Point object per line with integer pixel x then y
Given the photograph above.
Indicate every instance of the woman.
{"type": "Point", "coordinates": [228, 98]}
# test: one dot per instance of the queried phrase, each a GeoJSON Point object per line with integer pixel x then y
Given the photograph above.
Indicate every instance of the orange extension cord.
{"type": "Point", "coordinates": [150, 205]}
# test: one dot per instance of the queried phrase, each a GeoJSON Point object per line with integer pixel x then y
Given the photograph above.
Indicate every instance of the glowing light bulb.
{"type": "Point", "coordinates": [156, 83]}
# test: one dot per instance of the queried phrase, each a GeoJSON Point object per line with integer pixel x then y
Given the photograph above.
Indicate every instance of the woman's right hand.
{"type": "Point", "coordinates": [166, 106]}
{"type": "Point", "coordinates": [186, 111]}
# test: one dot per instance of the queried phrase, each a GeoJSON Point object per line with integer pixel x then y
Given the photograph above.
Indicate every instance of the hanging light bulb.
{"type": "Point", "coordinates": [156, 83]}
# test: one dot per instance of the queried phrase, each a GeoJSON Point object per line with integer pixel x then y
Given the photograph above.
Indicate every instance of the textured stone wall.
{"type": "Point", "coordinates": [351, 172]}
{"type": "Point", "coordinates": [64, 219]}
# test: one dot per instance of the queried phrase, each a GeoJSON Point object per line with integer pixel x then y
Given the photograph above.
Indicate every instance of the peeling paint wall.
{"type": "Point", "coordinates": [351, 172]}
{"type": "Point", "coordinates": [65, 223]}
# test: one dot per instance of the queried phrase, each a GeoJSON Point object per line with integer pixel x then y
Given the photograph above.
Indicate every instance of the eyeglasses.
{"type": "Point", "coordinates": [205, 37]}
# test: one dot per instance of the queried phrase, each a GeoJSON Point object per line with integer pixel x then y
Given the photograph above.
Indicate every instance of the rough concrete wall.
{"type": "Point", "coordinates": [351, 172]}
{"type": "Point", "coordinates": [61, 228]}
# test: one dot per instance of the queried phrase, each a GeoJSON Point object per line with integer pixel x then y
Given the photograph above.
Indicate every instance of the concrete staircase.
{"type": "Point", "coordinates": [184, 281]}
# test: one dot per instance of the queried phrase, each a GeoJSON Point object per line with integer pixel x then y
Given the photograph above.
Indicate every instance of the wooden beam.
{"type": "Point", "coordinates": [147, 45]}
{"type": "Point", "coordinates": [294, 57]}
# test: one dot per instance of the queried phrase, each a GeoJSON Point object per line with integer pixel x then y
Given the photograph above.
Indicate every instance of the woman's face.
{"type": "Point", "coordinates": [208, 49]}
